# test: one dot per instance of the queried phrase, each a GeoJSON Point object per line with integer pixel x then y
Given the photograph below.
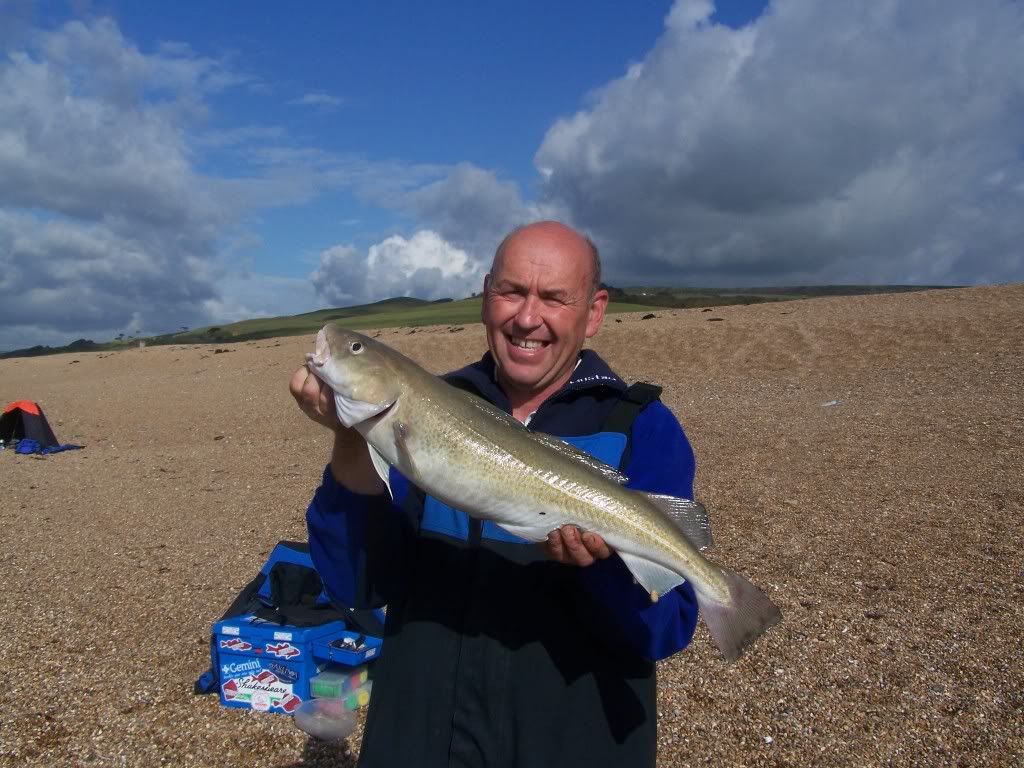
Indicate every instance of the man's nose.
{"type": "Point", "coordinates": [528, 315]}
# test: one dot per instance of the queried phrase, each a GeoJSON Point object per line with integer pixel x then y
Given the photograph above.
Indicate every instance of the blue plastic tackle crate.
{"type": "Point", "coordinates": [267, 667]}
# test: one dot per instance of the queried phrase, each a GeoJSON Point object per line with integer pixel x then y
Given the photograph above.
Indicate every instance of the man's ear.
{"type": "Point", "coordinates": [483, 300]}
{"type": "Point", "coordinates": [595, 316]}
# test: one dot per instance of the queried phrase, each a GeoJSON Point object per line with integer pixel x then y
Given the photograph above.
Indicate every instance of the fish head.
{"type": "Point", "coordinates": [356, 368]}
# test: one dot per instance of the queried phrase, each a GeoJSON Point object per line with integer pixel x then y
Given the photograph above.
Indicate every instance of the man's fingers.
{"type": "Point", "coordinates": [568, 546]}
{"type": "Point", "coordinates": [555, 548]}
{"type": "Point", "coordinates": [596, 546]}
{"type": "Point", "coordinates": [311, 389]}
{"type": "Point", "coordinates": [305, 388]}
{"type": "Point", "coordinates": [315, 398]}
{"type": "Point", "coordinates": [298, 381]}
{"type": "Point", "coordinates": [327, 401]}
{"type": "Point", "coordinates": [578, 553]}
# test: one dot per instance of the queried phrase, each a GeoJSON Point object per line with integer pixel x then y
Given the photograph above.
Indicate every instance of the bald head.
{"type": "Point", "coordinates": [567, 239]}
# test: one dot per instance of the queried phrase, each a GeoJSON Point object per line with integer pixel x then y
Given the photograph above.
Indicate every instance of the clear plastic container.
{"type": "Point", "coordinates": [327, 719]}
{"type": "Point", "coordinates": [332, 719]}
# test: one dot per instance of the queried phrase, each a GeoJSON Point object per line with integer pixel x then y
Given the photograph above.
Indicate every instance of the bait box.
{"type": "Point", "coordinates": [267, 666]}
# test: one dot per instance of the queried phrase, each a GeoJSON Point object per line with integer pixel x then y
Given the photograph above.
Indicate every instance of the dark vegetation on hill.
{"type": "Point", "coordinates": [687, 298]}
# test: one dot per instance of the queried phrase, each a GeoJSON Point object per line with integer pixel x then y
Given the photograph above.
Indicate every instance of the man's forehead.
{"type": "Point", "coordinates": [551, 274]}
{"type": "Point", "coordinates": [551, 259]}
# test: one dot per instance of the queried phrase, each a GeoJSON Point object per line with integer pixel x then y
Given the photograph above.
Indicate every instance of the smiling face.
{"type": "Point", "coordinates": [539, 308]}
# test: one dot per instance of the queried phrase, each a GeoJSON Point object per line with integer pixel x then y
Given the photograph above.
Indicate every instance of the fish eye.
{"type": "Point", "coordinates": [356, 347]}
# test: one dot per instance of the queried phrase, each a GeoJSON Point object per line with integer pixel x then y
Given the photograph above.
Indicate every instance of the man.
{"type": "Point", "coordinates": [498, 652]}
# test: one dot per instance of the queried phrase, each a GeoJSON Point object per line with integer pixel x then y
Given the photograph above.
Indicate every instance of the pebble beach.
{"type": "Point", "coordinates": [862, 459]}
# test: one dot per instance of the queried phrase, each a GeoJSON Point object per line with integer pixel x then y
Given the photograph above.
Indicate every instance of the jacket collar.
{"type": "Point", "coordinates": [591, 373]}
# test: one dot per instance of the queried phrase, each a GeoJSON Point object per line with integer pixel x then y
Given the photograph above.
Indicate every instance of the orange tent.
{"type": "Point", "coordinates": [23, 418]}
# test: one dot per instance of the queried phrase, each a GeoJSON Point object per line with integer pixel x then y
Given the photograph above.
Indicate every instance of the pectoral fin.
{"type": "Point", "coordinates": [656, 579]}
{"type": "Point", "coordinates": [528, 532]}
{"type": "Point", "coordinates": [382, 467]}
{"type": "Point", "coordinates": [405, 463]}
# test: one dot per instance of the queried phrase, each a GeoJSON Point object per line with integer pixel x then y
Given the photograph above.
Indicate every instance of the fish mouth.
{"type": "Point", "coordinates": [322, 353]}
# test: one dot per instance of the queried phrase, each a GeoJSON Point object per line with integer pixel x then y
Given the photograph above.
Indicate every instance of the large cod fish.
{"type": "Point", "coordinates": [472, 456]}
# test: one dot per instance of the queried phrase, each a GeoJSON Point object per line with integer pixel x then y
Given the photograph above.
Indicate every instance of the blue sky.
{"type": "Point", "coordinates": [178, 164]}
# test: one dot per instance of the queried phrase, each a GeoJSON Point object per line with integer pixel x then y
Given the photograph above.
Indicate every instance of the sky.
{"type": "Point", "coordinates": [176, 165]}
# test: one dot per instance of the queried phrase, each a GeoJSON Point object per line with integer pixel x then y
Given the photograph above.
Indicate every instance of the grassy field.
{"type": "Point", "coordinates": [390, 313]}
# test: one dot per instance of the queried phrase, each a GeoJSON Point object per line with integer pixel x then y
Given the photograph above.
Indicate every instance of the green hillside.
{"type": "Point", "coordinates": [390, 313]}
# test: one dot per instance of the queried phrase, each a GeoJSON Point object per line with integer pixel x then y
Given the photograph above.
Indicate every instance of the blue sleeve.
{"type": "Point", "coordinates": [661, 461]}
{"type": "Point", "coordinates": [356, 541]}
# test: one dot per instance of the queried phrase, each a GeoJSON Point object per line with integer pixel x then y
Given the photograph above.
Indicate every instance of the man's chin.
{"type": "Point", "coordinates": [521, 376]}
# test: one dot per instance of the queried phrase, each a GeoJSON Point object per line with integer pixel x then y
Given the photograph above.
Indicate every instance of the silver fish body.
{"type": "Point", "coordinates": [474, 457]}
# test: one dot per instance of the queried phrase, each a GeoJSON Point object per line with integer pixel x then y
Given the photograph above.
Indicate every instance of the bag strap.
{"type": "Point", "coordinates": [636, 397]}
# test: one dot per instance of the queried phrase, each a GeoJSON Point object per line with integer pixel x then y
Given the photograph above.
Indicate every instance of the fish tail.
{"type": "Point", "coordinates": [744, 617]}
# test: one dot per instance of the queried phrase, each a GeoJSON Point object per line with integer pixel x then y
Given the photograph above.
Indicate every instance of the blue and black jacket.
{"type": "Point", "coordinates": [494, 655]}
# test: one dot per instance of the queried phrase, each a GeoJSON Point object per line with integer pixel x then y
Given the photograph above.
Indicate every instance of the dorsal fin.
{"type": "Point", "coordinates": [582, 457]}
{"type": "Point", "coordinates": [491, 410]}
{"type": "Point", "coordinates": [562, 447]}
{"type": "Point", "coordinates": [691, 517]}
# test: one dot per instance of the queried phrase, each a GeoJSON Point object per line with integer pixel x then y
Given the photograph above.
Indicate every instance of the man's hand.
{"type": "Point", "coordinates": [350, 460]}
{"type": "Point", "coordinates": [568, 546]}
{"type": "Point", "coordinates": [315, 398]}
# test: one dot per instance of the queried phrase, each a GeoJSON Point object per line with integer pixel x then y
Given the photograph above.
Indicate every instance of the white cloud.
{"type": "Point", "coordinates": [873, 141]}
{"type": "Point", "coordinates": [341, 276]}
{"type": "Point", "coordinates": [88, 145]}
{"type": "Point", "coordinates": [106, 223]}
{"type": "Point", "coordinates": [74, 279]}
{"type": "Point", "coordinates": [321, 100]}
{"type": "Point", "coordinates": [424, 266]}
